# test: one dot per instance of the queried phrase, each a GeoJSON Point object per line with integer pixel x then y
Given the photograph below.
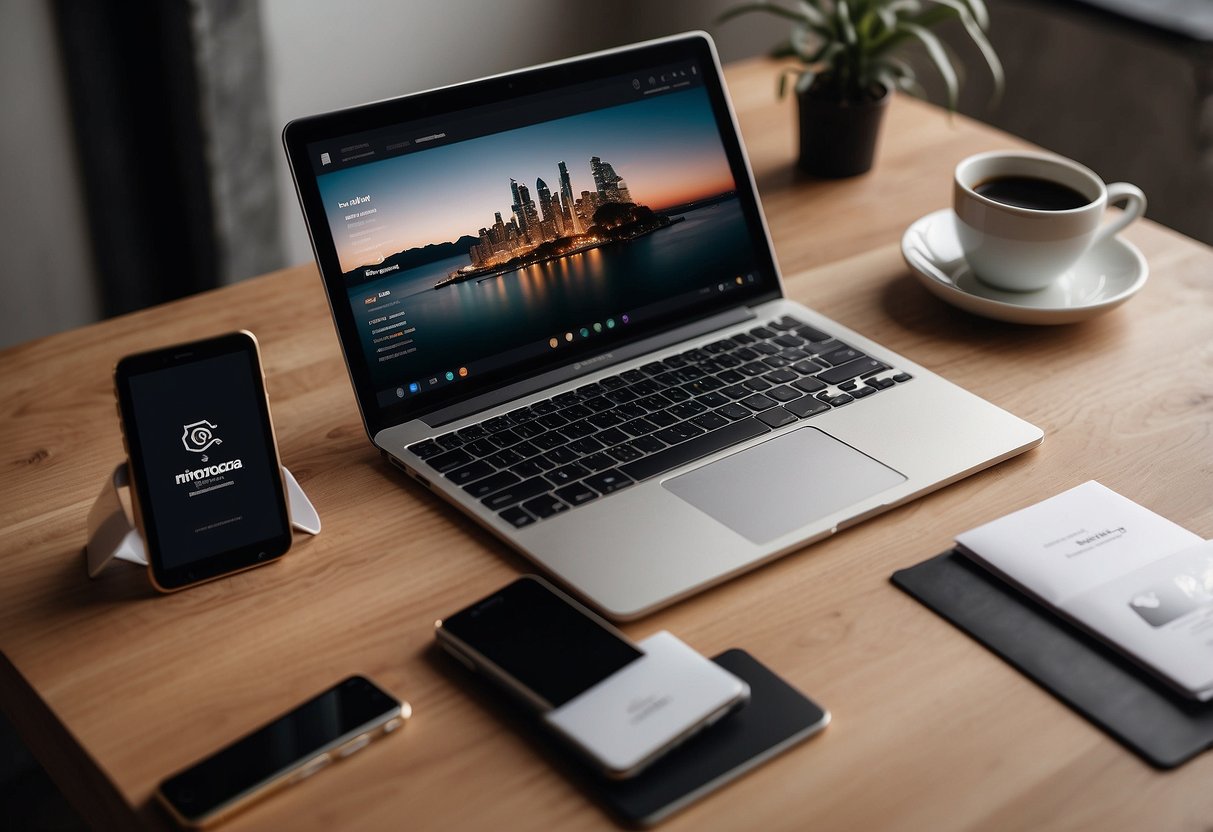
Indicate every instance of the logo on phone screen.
{"type": "Point", "coordinates": [199, 436]}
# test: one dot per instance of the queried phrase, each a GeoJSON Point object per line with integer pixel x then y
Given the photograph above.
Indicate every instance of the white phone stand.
{"type": "Point", "coordinates": [112, 535]}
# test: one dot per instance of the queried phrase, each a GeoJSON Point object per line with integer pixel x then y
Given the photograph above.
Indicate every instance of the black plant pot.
{"type": "Point", "coordinates": [838, 138]}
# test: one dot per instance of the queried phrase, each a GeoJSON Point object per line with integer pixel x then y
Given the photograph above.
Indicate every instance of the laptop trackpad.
{"type": "Point", "coordinates": [783, 484]}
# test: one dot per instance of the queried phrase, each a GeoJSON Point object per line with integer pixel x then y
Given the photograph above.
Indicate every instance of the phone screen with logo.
{"type": "Point", "coordinates": [204, 464]}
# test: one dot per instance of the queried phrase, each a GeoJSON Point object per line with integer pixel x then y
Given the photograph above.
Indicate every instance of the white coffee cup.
{"type": "Point", "coordinates": [1025, 249]}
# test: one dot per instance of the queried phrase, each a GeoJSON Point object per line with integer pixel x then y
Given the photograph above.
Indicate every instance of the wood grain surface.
{"type": "Point", "coordinates": [114, 687]}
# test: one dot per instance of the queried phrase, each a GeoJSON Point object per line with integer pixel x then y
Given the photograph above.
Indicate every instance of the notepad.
{"type": "Point", "coordinates": [1132, 578]}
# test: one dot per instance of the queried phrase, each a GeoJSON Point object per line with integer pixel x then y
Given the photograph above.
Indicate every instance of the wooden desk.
{"type": "Point", "coordinates": [115, 687]}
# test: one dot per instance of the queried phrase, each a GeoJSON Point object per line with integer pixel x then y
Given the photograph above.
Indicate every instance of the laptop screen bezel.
{"type": "Point", "coordinates": [299, 134]}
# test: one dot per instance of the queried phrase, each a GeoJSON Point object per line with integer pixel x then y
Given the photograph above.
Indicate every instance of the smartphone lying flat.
{"type": "Point", "coordinates": [619, 706]}
{"type": "Point", "coordinates": [329, 727]}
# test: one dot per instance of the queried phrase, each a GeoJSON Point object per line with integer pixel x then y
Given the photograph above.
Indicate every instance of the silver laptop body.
{"type": "Point", "coordinates": [736, 482]}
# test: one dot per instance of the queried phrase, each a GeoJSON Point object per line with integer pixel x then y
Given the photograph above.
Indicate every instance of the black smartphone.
{"type": "Point", "coordinates": [619, 704]}
{"type": "Point", "coordinates": [207, 485]}
{"type": "Point", "coordinates": [329, 727]}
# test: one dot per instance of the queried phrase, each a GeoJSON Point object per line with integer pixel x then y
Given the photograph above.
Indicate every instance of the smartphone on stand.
{"type": "Point", "coordinates": [206, 482]}
{"type": "Point", "coordinates": [622, 707]}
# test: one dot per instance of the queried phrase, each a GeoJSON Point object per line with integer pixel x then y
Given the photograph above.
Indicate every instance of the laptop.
{"type": "Point", "coordinates": [562, 313]}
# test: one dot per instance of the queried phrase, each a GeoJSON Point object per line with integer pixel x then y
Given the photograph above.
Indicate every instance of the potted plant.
{"type": "Point", "coordinates": [852, 56]}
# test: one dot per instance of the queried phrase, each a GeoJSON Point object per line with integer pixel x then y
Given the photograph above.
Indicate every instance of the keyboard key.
{"type": "Point", "coordinates": [472, 432]}
{"type": "Point", "coordinates": [786, 322]}
{"type": "Point", "coordinates": [566, 399]}
{"type": "Point", "coordinates": [784, 394]}
{"type": "Point", "coordinates": [703, 385]}
{"type": "Point", "coordinates": [622, 395]}
{"type": "Point", "coordinates": [632, 376]}
{"type": "Point", "coordinates": [737, 391]}
{"type": "Point", "coordinates": [612, 382]}
{"type": "Point", "coordinates": [566, 474]}
{"type": "Point", "coordinates": [522, 414]}
{"type": "Point", "coordinates": [806, 407]}
{"type": "Point", "coordinates": [504, 459]}
{"type": "Point", "coordinates": [517, 493]}
{"type": "Point", "coordinates": [589, 391]}
{"type": "Point", "coordinates": [588, 445]}
{"type": "Point", "coordinates": [676, 394]}
{"type": "Point", "coordinates": [552, 420]}
{"type": "Point", "coordinates": [545, 506]}
{"type": "Point", "coordinates": [757, 385]}
{"type": "Point", "coordinates": [599, 404]}
{"type": "Point", "coordinates": [718, 347]}
{"type": "Point", "coordinates": [646, 444]}
{"type": "Point", "coordinates": [531, 467]}
{"type": "Point", "coordinates": [776, 361]}
{"type": "Point", "coordinates": [787, 341]}
{"type": "Point", "coordinates": [900, 377]}
{"type": "Point", "coordinates": [793, 354]}
{"type": "Point", "coordinates": [851, 369]}
{"type": "Point", "coordinates": [713, 400]}
{"type": "Point", "coordinates": [654, 402]}
{"type": "Point", "coordinates": [426, 449]}
{"type": "Point", "coordinates": [777, 417]}
{"type": "Point", "coordinates": [576, 494]}
{"type": "Point", "coordinates": [686, 410]}
{"type": "Point", "coordinates": [881, 383]}
{"type": "Point", "coordinates": [763, 332]}
{"type": "Point", "coordinates": [607, 481]}
{"type": "Point", "coordinates": [765, 349]}
{"type": "Point", "coordinates": [605, 420]}
{"type": "Point", "coordinates": [577, 411]}
{"type": "Point", "coordinates": [662, 419]}
{"type": "Point", "coordinates": [631, 411]}
{"type": "Point", "coordinates": [516, 517]}
{"type": "Point", "coordinates": [695, 448]}
{"type": "Point", "coordinates": [624, 453]}
{"type": "Point", "coordinates": [646, 388]}
{"type": "Point", "coordinates": [849, 385]}
{"type": "Point", "coordinates": [809, 384]}
{"type": "Point", "coordinates": [577, 430]}
{"type": "Point", "coordinates": [811, 334]}
{"type": "Point", "coordinates": [734, 411]}
{"type": "Point", "coordinates": [678, 433]}
{"type": "Point", "coordinates": [638, 427]}
{"type": "Point", "coordinates": [741, 339]}
{"type": "Point", "coordinates": [449, 461]}
{"type": "Point", "coordinates": [597, 462]}
{"type": "Point", "coordinates": [450, 441]}
{"type": "Point", "coordinates": [835, 401]}
{"type": "Point", "coordinates": [710, 421]}
{"type": "Point", "coordinates": [758, 402]}
{"type": "Point", "coordinates": [497, 423]}
{"type": "Point", "coordinates": [480, 447]}
{"type": "Point", "coordinates": [525, 449]}
{"type": "Point", "coordinates": [562, 455]}
{"type": "Point", "coordinates": [527, 430]}
{"type": "Point", "coordinates": [544, 407]}
{"type": "Point", "coordinates": [862, 392]}
{"type": "Point", "coordinates": [807, 368]}
{"type": "Point", "coordinates": [841, 356]}
{"type": "Point", "coordinates": [611, 436]}
{"type": "Point", "coordinates": [782, 376]}
{"type": "Point", "coordinates": [549, 440]}
{"type": "Point", "coordinates": [469, 472]}
{"type": "Point", "coordinates": [486, 486]}
{"type": "Point", "coordinates": [653, 368]}
{"type": "Point", "coordinates": [730, 377]}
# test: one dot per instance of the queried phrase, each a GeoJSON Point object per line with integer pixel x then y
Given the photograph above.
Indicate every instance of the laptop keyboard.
{"type": "Point", "coordinates": [555, 455]}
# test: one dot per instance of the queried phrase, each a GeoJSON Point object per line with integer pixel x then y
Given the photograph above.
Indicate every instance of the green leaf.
{"type": "Point", "coordinates": [805, 81]}
{"type": "Point", "coordinates": [938, 56]}
{"type": "Point", "coordinates": [978, 36]}
{"type": "Point", "coordinates": [845, 25]}
{"type": "Point", "coordinates": [814, 15]}
{"type": "Point", "coordinates": [787, 73]}
{"type": "Point", "coordinates": [768, 8]}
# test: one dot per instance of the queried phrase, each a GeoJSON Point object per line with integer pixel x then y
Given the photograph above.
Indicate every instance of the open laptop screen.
{"type": "Point", "coordinates": [483, 243]}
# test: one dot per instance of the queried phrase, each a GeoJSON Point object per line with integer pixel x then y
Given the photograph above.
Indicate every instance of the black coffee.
{"type": "Point", "coordinates": [1030, 192]}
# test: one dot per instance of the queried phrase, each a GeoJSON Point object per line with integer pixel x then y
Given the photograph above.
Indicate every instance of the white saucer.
{"type": "Point", "coordinates": [1106, 276]}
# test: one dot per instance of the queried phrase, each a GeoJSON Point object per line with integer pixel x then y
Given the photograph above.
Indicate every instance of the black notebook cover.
{"type": "Point", "coordinates": [1123, 700]}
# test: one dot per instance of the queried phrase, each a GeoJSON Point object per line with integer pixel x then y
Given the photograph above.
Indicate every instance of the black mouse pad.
{"type": "Point", "coordinates": [776, 718]}
{"type": "Point", "coordinates": [1126, 702]}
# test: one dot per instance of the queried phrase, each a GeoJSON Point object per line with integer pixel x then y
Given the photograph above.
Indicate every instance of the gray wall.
{"type": "Point", "coordinates": [46, 269]}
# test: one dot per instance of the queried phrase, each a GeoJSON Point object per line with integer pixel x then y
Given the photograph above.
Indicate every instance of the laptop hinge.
{"type": "Point", "coordinates": [591, 364]}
